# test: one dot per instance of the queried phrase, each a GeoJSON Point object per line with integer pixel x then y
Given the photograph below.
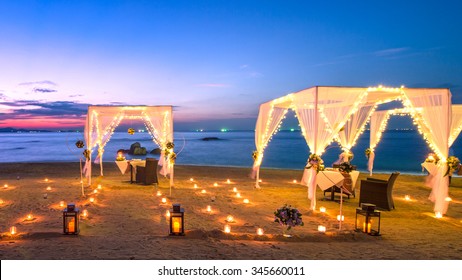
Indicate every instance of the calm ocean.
{"type": "Point", "coordinates": [399, 150]}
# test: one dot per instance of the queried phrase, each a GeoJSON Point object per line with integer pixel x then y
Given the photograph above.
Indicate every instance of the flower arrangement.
{"type": "Point", "coordinates": [169, 145]}
{"type": "Point", "coordinates": [254, 155]}
{"type": "Point", "coordinates": [368, 152]}
{"type": "Point", "coordinates": [288, 216]}
{"type": "Point", "coordinates": [169, 152]}
{"type": "Point", "coordinates": [432, 158]}
{"type": "Point", "coordinates": [79, 144]}
{"type": "Point", "coordinates": [315, 161]}
{"type": "Point", "coordinates": [453, 164]}
{"type": "Point", "coordinates": [86, 154]}
{"type": "Point", "coordinates": [120, 156]}
{"type": "Point", "coordinates": [345, 167]}
{"type": "Point", "coordinates": [131, 131]}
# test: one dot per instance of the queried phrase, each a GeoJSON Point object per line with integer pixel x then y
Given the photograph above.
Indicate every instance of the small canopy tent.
{"type": "Point", "coordinates": [324, 111]}
{"type": "Point", "coordinates": [101, 122]}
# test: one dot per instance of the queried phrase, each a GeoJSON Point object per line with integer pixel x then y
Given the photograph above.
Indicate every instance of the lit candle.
{"type": "Point", "coordinates": [321, 228]}
{"type": "Point", "coordinates": [29, 217]}
{"type": "Point", "coordinates": [215, 184]}
{"type": "Point", "coordinates": [369, 226]}
{"type": "Point", "coordinates": [229, 219]}
{"type": "Point", "coordinates": [99, 187]}
{"type": "Point", "coordinates": [71, 226]}
{"type": "Point", "coordinates": [167, 213]}
{"type": "Point", "coordinates": [191, 179]}
{"type": "Point", "coordinates": [203, 191]}
{"type": "Point", "coordinates": [407, 197]}
{"type": "Point", "coordinates": [260, 231]}
{"type": "Point", "coordinates": [92, 199]}
{"type": "Point", "coordinates": [48, 188]}
{"type": "Point", "coordinates": [228, 181]}
{"type": "Point", "coordinates": [176, 226]}
{"type": "Point", "coordinates": [227, 229]}
{"type": "Point", "coordinates": [448, 199]}
{"type": "Point", "coordinates": [209, 208]}
{"type": "Point", "coordinates": [438, 215]}
{"type": "Point", "coordinates": [61, 203]}
{"type": "Point", "coordinates": [246, 201]}
{"type": "Point", "coordinates": [340, 217]}
{"type": "Point", "coordinates": [260, 180]}
{"type": "Point", "coordinates": [5, 186]}
{"type": "Point", "coordinates": [234, 189]}
{"type": "Point", "coordinates": [46, 180]}
{"type": "Point", "coordinates": [95, 191]}
{"type": "Point", "coordinates": [159, 193]}
{"type": "Point", "coordinates": [195, 186]}
{"type": "Point", "coordinates": [85, 213]}
{"type": "Point", "coordinates": [1, 201]}
{"type": "Point", "coordinates": [294, 181]}
{"type": "Point", "coordinates": [322, 209]}
{"type": "Point", "coordinates": [13, 230]}
{"type": "Point", "coordinates": [164, 200]}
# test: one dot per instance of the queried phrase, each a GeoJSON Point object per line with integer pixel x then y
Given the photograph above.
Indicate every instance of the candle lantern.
{"type": "Point", "coordinates": [367, 219]}
{"type": "Point", "coordinates": [177, 220]}
{"type": "Point", "coordinates": [71, 219]}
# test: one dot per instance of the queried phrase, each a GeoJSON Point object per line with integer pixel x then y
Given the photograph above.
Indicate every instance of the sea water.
{"type": "Point", "coordinates": [402, 151]}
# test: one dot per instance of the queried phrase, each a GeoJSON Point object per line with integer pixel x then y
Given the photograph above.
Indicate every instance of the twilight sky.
{"type": "Point", "coordinates": [214, 60]}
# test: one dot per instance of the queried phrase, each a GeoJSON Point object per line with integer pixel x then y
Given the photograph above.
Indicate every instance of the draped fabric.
{"type": "Point", "coordinates": [322, 112]}
{"type": "Point", "coordinates": [377, 126]}
{"type": "Point", "coordinates": [268, 121]}
{"type": "Point", "coordinates": [435, 119]}
{"type": "Point", "coordinates": [456, 123]}
{"type": "Point", "coordinates": [355, 126]}
{"type": "Point", "coordinates": [101, 122]}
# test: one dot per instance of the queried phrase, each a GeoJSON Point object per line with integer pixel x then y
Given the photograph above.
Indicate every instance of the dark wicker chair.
{"type": "Point", "coordinates": [378, 192]}
{"type": "Point", "coordinates": [147, 174]}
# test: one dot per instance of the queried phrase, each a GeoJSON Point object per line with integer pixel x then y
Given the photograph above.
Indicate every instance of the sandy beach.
{"type": "Point", "coordinates": [127, 221]}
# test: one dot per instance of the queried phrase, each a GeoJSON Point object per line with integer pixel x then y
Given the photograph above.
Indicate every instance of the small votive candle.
{"type": "Point", "coordinates": [191, 179]}
{"type": "Point", "coordinates": [203, 191]}
{"type": "Point", "coordinates": [228, 181]}
{"type": "Point", "coordinates": [13, 230]}
{"type": "Point", "coordinates": [95, 191]}
{"type": "Point", "coordinates": [5, 186]}
{"type": "Point", "coordinates": [234, 189]}
{"type": "Point", "coordinates": [294, 181]}
{"type": "Point", "coordinates": [260, 180]}
{"type": "Point", "coordinates": [164, 200]}
{"type": "Point", "coordinates": [48, 188]}
{"type": "Point", "coordinates": [46, 180]}
{"type": "Point", "coordinates": [340, 217]}
{"type": "Point", "coordinates": [92, 199]}
{"type": "Point", "coordinates": [238, 194]}
{"type": "Point", "coordinates": [209, 208]}
{"type": "Point", "coordinates": [61, 203]}
{"type": "Point", "coordinates": [167, 214]}
{"type": "Point", "coordinates": [227, 229]}
{"type": "Point", "coordinates": [407, 197]}
{"type": "Point", "coordinates": [215, 184]}
{"type": "Point", "coordinates": [29, 217]}
{"type": "Point", "coordinates": [260, 231]}
{"type": "Point", "coordinates": [230, 219]}
{"type": "Point", "coordinates": [438, 215]}
{"type": "Point", "coordinates": [448, 199]}
{"type": "Point", "coordinates": [1, 201]}
{"type": "Point", "coordinates": [321, 228]}
{"type": "Point", "coordinates": [246, 201]}
{"type": "Point", "coordinates": [159, 193]}
{"type": "Point", "coordinates": [322, 209]}
{"type": "Point", "coordinates": [100, 187]}
{"type": "Point", "coordinates": [85, 213]}
{"type": "Point", "coordinates": [195, 186]}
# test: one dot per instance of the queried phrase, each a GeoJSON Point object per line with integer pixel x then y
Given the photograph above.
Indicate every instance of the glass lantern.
{"type": "Point", "coordinates": [71, 220]}
{"type": "Point", "coordinates": [177, 220]}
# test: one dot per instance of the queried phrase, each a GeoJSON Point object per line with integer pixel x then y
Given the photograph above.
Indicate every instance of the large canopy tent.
{"type": "Point", "coordinates": [101, 122]}
{"type": "Point", "coordinates": [325, 113]}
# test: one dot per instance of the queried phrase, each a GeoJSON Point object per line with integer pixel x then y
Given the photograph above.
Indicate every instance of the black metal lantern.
{"type": "Point", "coordinates": [71, 220]}
{"type": "Point", "coordinates": [367, 219]}
{"type": "Point", "coordinates": [177, 220]}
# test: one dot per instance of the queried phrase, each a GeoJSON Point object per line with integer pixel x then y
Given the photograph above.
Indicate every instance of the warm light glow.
{"type": "Point", "coordinates": [238, 195]}
{"type": "Point", "coordinates": [228, 181]}
{"type": "Point", "coordinates": [191, 179]}
{"type": "Point", "coordinates": [407, 197]}
{"type": "Point", "coordinates": [246, 201]}
{"type": "Point", "coordinates": [448, 199]}
{"type": "Point", "coordinates": [322, 209]}
{"type": "Point", "coordinates": [99, 187]}
{"type": "Point", "coordinates": [215, 184]}
{"type": "Point", "coordinates": [13, 230]}
{"type": "Point", "coordinates": [167, 214]}
{"type": "Point", "coordinates": [92, 199]}
{"type": "Point", "coordinates": [159, 193]}
{"type": "Point", "coordinates": [5, 186]}
{"type": "Point", "coordinates": [209, 208]}
{"type": "Point", "coordinates": [195, 186]}
{"type": "Point", "coordinates": [321, 228]}
{"type": "Point", "coordinates": [46, 180]}
{"type": "Point", "coordinates": [438, 215]}
{"type": "Point", "coordinates": [1, 201]}
{"type": "Point", "coordinates": [61, 203]}
{"type": "Point", "coordinates": [164, 200]}
{"type": "Point", "coordinates": [294, 181]}
{"type": "Point", "coordinates": [85, 213]}
{"type": "Point", "coordinates": [342, 217]}
{"type": "Point", "coordinates": [260, 231]}
{"type": "Point", "coordinates": [29, 217]}
{"type": "Point", "coordinates": [95, 191]}
{"type": "Point", "coordinates": [48, 188]}
{"type": "Point", "coordinates": [203, 191]}
{"type": "Point", "coordinates": [227, 229]}
{"type": "Point", "coordinates": [260, 180]}
{"type": "Point", "coordinates": [234, 189]}
{"type": "Point", "coordinates": [230, 219]}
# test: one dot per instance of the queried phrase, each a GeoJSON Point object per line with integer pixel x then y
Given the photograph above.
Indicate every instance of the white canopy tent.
{"type": "Point", "coordinates": [101, 122]}
{"type": "Point", "coordinates": [323, 112]}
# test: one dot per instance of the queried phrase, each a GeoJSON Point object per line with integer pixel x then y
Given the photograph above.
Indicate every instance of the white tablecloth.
{"type": "Point", "coordinates": [124, 164]}
{"type": "Point", "coordinates": [328, 178]}
{"type": "Point", "coordinates": [430, 167]}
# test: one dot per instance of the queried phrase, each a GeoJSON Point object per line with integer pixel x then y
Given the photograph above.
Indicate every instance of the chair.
{"type": "Point", "coordinates": [147, 174]}
{"type": "Point", "coordinates": [378, 192]}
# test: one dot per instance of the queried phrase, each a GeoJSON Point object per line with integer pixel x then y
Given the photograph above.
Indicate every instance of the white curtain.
{"type": "Point", "coordinates": [355, 126]}
{"type": "Point", "coordinates": [322, 112]}
{"type": "Point", "coordinates": [456, 123]}
{"type": "Point", "coordinates": [268, 121]}
{"type": "Point", "coordinates": [377, 125]}
{"type": "Point", "coordinates": [435, 119]}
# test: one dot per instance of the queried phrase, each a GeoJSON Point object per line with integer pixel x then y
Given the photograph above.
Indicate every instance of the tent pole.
{"type": "Point", "coordinates": [171, 179]}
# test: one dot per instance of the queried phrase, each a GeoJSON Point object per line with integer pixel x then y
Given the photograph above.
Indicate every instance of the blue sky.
{"type": "Point", "coordinates": [215, 61]}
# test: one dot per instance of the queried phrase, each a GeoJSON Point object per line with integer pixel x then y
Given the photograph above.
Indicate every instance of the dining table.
{"type": "Point", "coordinates": [331, 178]}
{"type": "Point", "coordinates": [125, 165]}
